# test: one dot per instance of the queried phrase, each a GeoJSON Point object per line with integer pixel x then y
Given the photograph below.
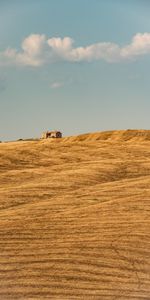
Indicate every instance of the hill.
{"type": "Point", "coordinates": [75, 217]}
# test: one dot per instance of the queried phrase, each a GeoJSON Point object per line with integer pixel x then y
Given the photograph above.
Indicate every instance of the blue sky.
{"type": "Point", "coordinates": [73, 65]}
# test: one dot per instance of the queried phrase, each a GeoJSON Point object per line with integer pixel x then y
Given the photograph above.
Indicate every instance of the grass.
{"type": "Point", "coordinates": [75, 217]}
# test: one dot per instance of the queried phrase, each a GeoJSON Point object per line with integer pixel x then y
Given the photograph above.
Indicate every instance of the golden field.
{"type": "Point", "coordinates": [75, 217]}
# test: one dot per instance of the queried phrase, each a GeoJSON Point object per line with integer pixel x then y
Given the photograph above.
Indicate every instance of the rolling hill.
{"type": "Point", "coordinates": [75, 217]}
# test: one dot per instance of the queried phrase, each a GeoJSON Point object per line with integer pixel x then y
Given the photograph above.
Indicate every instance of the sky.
{"type": "Point", "coordinates": [73, 65]}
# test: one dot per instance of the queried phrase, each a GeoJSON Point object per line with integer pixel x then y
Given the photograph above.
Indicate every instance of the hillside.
{"type": "Point", "coordinates": [75, 217]}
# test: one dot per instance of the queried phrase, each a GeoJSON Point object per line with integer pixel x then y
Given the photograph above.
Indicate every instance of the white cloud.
{"type": "Point", "coordinates": [33, 50]}
{"type": "Point", "coordinates": [37, 50]}
{"type": "Point", "coordinates": [56, 85]}
{"type": "Point", "coordinates": [106, 51]}
{"type": "Point", "coordinates": [140, 45]}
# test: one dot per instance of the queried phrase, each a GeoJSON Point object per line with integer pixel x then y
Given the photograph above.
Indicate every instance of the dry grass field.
{"type": "Point", "coordinates": [75, 217]}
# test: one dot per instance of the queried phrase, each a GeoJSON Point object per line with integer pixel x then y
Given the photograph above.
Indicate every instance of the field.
{"type": "Point", "coordinates": [75, 217]}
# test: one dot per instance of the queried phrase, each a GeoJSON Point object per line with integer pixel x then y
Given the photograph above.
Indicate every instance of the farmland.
{"type": "Point", "coordinates": [75, 217]}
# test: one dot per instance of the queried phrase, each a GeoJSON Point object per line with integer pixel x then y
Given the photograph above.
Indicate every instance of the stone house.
{"type": "Point", "coordinates": [51, 134]}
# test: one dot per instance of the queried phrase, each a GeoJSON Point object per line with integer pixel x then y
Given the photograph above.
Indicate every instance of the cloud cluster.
{"type": "Point", "coordinates": [56, 85]}
{"type": "Point", "coordinates": [37, 50]}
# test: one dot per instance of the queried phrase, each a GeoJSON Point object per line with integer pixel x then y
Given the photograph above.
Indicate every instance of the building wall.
{"type": "Point", "coordinates": [50, 134]}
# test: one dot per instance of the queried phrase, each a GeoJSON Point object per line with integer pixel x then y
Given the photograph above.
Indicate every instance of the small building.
{"type": "Point", "coordinates": [51, 134]}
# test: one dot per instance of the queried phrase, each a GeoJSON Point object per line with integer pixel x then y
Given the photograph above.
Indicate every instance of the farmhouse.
{"type": "Point", "coordinates": [51, 134]}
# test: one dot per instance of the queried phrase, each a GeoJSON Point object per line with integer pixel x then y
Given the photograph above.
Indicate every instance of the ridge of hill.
{"type": "Point", "coordinates": [114, 135]}
{"type": "Point", "coordinates": [75, 217]}
{"type": "Point", "coordinates": [111, 135]}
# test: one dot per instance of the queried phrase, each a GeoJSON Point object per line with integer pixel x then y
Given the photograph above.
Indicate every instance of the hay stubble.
{"type": "Point", "coordinates": [75, 218]}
